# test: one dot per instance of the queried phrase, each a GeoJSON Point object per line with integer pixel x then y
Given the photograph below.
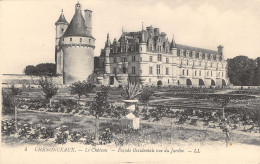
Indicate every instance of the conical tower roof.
{"type": "Point", "coordinates": [173, 44]}
{"type": "Point", "coordinates": [77, 26]}
{"type": "Point", "coordinates": [61, 19]}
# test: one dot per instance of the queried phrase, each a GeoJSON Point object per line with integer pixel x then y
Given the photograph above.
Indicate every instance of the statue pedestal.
{"type": "Point", "coordinates": [132, 122]}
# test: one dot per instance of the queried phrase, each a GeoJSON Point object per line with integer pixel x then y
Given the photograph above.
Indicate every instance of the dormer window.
{"type": "Point", "coordinates": [89, 40]}
{"type": "Point", "coordinates": [187, 53]}
{"type": "Point", "coordinates": [181, 52]}
{"type": "Point", "coordinates": [80, 39]}
{"type": "Point", "coordinates": [70, 39]}
{"type": "Point", "coordinates": [62, 29]}
{"type": "Point", "coordinates": [194, 54]}
{"type": "Point", "coordinates": [200, 55]}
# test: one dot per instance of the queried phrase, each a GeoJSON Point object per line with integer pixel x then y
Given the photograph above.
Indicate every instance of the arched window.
{"type": "Point", "coordinates": [124, 70]}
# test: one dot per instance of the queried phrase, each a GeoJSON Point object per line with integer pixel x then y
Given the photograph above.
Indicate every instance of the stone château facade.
{"type": "Point", "coordinates": [149, 58]}
{"type": "Point", "coordinates": [74, 50]}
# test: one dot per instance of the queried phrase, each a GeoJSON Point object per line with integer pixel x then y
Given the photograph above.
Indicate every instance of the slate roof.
{"type": "Point", "coordinates": [61, 19]}
{"type": "Point", "coordinates": [77, 27]}
{"type": "Point", "coordinates": [196, 49]}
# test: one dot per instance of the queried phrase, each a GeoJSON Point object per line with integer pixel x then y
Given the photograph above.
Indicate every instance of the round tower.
{"type": "Point", "coordinates": [78, 49]}
{"type": "Point", "coordinates": [61, 26]}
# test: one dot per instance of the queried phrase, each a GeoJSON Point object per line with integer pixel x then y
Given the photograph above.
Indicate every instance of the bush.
{"type": "Point", "coordinates": [7, 102]}
{"type": "Point", "coordinates": [8, 127]}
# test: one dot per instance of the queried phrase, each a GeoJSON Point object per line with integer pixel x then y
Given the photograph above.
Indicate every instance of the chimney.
{"type": "Point", "coordinates": [88, 21]}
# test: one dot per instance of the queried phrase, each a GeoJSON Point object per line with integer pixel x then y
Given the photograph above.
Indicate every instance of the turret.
{"type": "Point", "coordinates": [61, 26]}
{"type": "Point", "coordinates": [220, 51]}
{"type": "Point", "coordinates": [173, 47]}
{"type": "Point", "coordinates": [142, 44]}
{"type": "Point", "coordinates": [107, 53]}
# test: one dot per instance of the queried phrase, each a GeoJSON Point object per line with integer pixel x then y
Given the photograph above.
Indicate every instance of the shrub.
{"type": "Point", "coordinates": [157, 112]}
{"type": "Point", "coordinates": [61, 136]}
{"type": "Point", "coordinates": [145, 95]}
{"type": "Point", "coordinates": [49, 88]}
{"type": "Point", "coordinates": [130, 91]}
{"type": "Point", "coordinates": [7, 102]}
{"type": "Point", "coordinates": [8, 127]}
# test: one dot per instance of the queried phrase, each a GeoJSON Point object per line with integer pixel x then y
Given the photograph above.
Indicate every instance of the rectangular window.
{"type": "Point", "coordinates": [114, 60]}
{"type": "Point", "coordinates": [133, 70]}
{"type": "Point", "coordinates": [125, 59]}
{"type": "Point", "coordinates": [167, 71]}
{"type": "Point", "coordinates": [151, 58]}
{"type": "Point", "coordinates": [70, 39]}
{"type": "Point", "coordinates": [159, 58]}
{"type": "Point", "coordinates": [187, 72]}
{"type": "Point", "coordinates": [222, 74]}
{"type": "Point", "coordinates": [158, 69]}
{"type": "Point", "coordinates": [80, 39]}
{"type": "Point", "coordinates": [150, 70]}
{"type": "Point", "coordinates": [150, 80]}
{"type": "Point", "coordinates": [133, 58]}
{"type": "Point", "coordinates": [114, 70]}
{"type": "Point", "coordinates": [200, 72]}
{"type": "Point", "coordinates": [167, 60]}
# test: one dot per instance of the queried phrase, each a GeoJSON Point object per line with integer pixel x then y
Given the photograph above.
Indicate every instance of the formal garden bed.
{"type": "Point", "coordinates": [169, 115]}
{"type": "Point", "coordinates": [55, 128]}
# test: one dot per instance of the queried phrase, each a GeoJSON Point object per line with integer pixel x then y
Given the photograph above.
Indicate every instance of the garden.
{"type": "Point", "coordinates": [96, 115]}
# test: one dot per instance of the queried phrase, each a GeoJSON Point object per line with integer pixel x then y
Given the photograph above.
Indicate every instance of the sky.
{"type": "Point", "coordinates": [27, 28]}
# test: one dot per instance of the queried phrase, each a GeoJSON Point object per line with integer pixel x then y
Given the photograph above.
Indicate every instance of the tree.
{"type": "Point", "coordinates": [257, 72]}
{"type": "Point", "coordinates": [49, 88]}
{"type": "Point", "coordinates": [99, 107]}
{"type": "Point", "coordinates": [241, 71]}
{"type": "Point", "coordinates": [145, 96]}
{"type": "Point", "coordinates": [43, 69]}
{"type": "Point", "coordinates": [46, 69]}
{"type": "Point", "coordinates": [30, 70]}
{"type": "Point", "coordinates": [81, 88]}
{"type": "Point", "coordinates": [224, 102]}
{"type": "Point", "coordinates": [14, 93]}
